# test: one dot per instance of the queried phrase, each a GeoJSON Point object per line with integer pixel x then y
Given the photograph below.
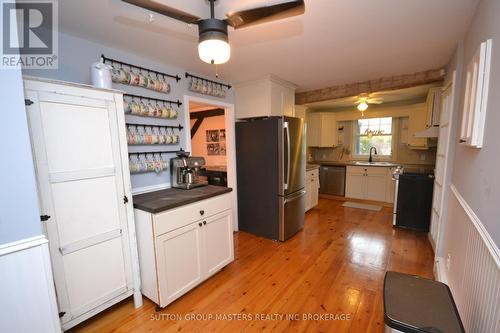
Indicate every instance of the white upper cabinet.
{"type": "Point", "coordinates": [476, 96]}
{"type": "Point", "coordinates": [433, 107]}
{"type": "Point", "coordinates": [321, 129]}
{"type": "Point", "coordinates": [266, 97]}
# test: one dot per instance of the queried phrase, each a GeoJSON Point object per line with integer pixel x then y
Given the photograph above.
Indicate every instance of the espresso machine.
{"type": "Point", "coordinates": [185, 171]}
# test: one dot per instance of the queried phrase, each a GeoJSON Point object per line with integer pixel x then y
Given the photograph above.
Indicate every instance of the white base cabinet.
{"type": "Point", "coordinates": [312, 188]}
{"type": "Point", "coordinates": [369, 183]}
{"type": "Point", "coordinates": [180, 248]}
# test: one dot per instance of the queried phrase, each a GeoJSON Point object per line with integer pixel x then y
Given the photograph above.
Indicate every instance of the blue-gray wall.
{"type": "Point", "coordinates": [19, 211]}
{"type": "Point", "coordinates": [476, 171]}
{"type": "Point", "coordinates": [77, 54]}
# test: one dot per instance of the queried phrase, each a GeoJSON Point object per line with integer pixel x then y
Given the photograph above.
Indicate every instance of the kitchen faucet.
{"type": "Point", "coordinates": [370, 160]}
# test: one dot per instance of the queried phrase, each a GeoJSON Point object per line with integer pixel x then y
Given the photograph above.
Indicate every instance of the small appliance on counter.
{"type": "Point", "coordinates": [185, 171]}
{"type": "Point", "coordinates": [413, 198]}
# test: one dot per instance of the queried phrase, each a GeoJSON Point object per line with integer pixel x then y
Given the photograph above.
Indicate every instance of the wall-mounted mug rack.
{"type": "Point", "coordinates": [156, 152]}
{"type": "Point", "coordinates": [188, 75]}
{"type": "Point", "coordinates": [178, 127]}
{"type": "Point", "coordinates": [151, 99]}
{"type": "Point", "coordinates": [139, 68]}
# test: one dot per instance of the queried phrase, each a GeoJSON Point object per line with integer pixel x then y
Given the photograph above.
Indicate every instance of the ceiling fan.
{"type": "Point", "coordinates": [364, 99]}
{"type": "Point", "coordinates": [213, 47]}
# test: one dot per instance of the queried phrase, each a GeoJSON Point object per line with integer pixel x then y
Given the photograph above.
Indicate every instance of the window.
{"type": "Point", "coordinates": [375, 132]}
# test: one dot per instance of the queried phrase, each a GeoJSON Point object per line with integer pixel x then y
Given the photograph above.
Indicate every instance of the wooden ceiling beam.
{"type": "Point", "coordinates": [382, 84]}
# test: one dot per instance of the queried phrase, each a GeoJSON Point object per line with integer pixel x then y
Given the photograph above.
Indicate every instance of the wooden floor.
{"type": "Point", "coordinates": [334, 268]}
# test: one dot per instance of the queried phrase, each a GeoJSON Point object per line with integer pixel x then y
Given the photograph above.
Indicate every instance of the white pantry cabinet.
{"type": "Point", "coordinates": [368, 183]}
{"type": "Point", "coordinates": [267, 97]}
{"type": "Point", "coordinates": [322, 129]}
{"type": "Point", "coordinates": [182, 247]}
{"type": "Point", "coordinates": [80, 149]}
{"type": "Point", "coordinates": [312, 188]}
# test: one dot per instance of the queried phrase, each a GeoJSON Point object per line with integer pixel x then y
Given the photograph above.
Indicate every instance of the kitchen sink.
{"type": "Point", "coordinates": [363, 163]}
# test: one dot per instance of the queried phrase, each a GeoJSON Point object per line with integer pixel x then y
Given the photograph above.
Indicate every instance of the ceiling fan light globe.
{"type": "Point", "coordinates": [362, 106]}
{"type": "Point", "coordinates": [214, 51]}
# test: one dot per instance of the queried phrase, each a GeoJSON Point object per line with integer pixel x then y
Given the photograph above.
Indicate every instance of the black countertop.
{"type": "Point", "coordinates": [159, 201]}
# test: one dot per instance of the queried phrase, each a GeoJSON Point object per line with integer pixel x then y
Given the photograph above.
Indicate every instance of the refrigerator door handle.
{"type": "Point", "coordinates": [296, 196]}
{"type": "Point", "coordinates": [287, 131]}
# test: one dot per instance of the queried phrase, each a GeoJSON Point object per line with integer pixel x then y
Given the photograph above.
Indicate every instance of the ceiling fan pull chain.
{"type": "Point", "coordinates": [216, 71]}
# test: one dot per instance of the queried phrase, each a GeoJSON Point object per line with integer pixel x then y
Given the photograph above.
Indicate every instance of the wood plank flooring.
{"type": "Point", "coordinates": [328, 278]}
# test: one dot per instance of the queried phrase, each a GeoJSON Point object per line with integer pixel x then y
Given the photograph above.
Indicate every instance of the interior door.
{"type": "Point", "coordinates": [81, 187]}
{"type": "Point", "coordinates": [295, 154]}
{"type": "Point", "coordinates": [218, 242]}
{"type": "Point", "coordinates": [179, 262]}
{"type": "Point", "coordinates": [441, 162]}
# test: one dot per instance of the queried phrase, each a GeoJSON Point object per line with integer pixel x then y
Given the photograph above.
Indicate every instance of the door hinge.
{"type": "Point", "coordinates": [44, 218]}
{"type": "Point", "coordinates": [125, 199]}
{"type": "Point", "coordinates": [61, 314]}
{"type": "Point", "coordinates": [28, 102]}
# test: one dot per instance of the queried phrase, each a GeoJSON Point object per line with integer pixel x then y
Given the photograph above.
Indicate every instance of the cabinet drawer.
{"type": "Point", "coordinates": [182, 216]}
{"type": "Point", "coordinates": [367, 169]}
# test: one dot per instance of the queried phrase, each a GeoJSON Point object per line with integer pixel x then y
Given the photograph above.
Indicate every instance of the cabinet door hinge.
{"type": "Point", "coordinates": [125, 199]}
{"type": "Point", "coordinates": [61, 314]}
{"type": "Point", "coordinates": [28, 102]}
{"type": "Point", "coordinates": [44, 218]}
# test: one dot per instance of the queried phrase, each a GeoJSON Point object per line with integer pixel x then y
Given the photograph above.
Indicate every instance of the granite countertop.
{"type": "Point", "coordinates": [159, 201]}
{"type": "Point", "coordinates": [392, 164]}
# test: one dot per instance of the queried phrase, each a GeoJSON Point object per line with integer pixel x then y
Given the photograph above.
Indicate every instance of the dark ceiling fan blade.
{"type": "Point", "coordinates": [164, 10]}
{"type": "Point", "coordinates": [264, 14]}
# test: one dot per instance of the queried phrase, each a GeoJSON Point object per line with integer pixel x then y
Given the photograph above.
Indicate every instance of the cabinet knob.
{"type": "Point", "coordinates": [204, 222]}
{"type": "Point", "coordinates": [200, 224]}
{"type": "Point", "coordinates": [202, 212]}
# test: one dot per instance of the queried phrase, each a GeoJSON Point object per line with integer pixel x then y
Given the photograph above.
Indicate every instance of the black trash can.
{"type": "Point", "coordinates": [416, 305]}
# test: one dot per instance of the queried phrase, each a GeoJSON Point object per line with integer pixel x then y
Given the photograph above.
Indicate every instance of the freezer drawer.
{"type": "Point", "coordinates": [292, 214]}
{"type": "Point", "coordinates": [332, 180]}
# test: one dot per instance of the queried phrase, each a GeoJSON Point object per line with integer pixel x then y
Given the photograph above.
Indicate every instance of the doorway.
{"type": "Point", "coordinates": [212, 136]}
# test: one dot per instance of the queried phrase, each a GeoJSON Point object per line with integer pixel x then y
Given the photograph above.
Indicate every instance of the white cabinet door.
{"type": "Point", "coordinates": [217, 242]}
{"type": "Point", "coordinates": [321, 129]}
{"type": "Point", "coordinates": [80, 177]}
{"type": "Point", "coordinates": [355, 186]}
{"type": "Point", "coordinates": [179, 261]}
{"type": "Point", "coordinates": [376, 185]}
{"type": "Point", "coordinates": [314, 192]}
{"type": "Point", "coordinates": [309, 190]}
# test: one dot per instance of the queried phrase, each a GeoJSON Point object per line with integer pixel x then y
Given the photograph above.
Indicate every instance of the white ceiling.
{"type": "Point", "coordinates": [334, 42]}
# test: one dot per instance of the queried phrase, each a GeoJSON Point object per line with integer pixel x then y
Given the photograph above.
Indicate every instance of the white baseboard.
{"type": "Point", "coordinates": [440, 270]}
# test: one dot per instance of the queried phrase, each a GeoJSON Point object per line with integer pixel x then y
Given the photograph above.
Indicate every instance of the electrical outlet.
{"type": "Point", "coordinates": [448, 261]}
{"type": "Point", "coordinates": [422, 157]}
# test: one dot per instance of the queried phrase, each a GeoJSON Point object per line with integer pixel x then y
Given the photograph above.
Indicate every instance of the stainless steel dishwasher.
{"type": "Point", "coordinates": [332, 180]}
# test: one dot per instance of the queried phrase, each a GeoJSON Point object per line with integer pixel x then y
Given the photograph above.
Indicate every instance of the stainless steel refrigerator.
{"type": "Point", "coordinates": [271, 164]}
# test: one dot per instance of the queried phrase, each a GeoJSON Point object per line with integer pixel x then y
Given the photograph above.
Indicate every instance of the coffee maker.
{"type": "Point", "coordinates": [185, 171]}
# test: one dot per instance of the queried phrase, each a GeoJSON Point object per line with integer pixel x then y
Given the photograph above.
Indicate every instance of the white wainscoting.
{"type": "Point", "coordinates": [471, 267]}
{"type": "Point", "coordinates": [27, 295]}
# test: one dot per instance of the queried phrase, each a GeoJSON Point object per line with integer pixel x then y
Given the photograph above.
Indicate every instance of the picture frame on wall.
{"type": "Point", "coordinates": [213, 149]}
{"type": "Point", "coordinates": [212, 135]}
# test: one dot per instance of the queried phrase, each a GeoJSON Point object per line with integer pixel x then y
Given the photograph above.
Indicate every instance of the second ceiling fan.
{"type": "Point", "coordinates": [213, 44]}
